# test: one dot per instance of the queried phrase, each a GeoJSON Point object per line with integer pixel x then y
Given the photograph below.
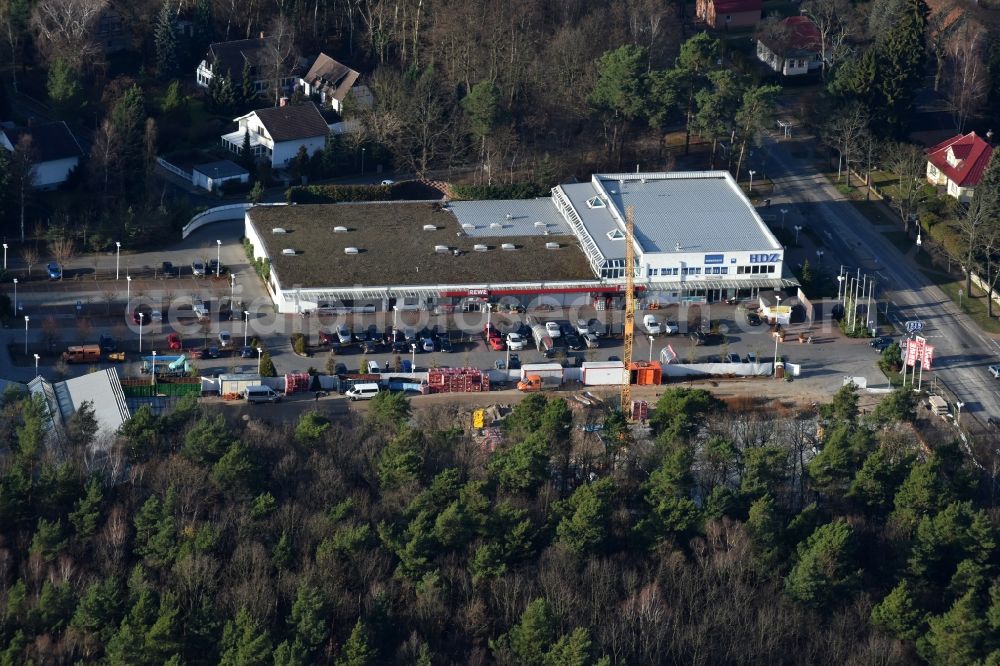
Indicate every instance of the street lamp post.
{"type": "Point", "coordinates": [958, 418]}
{"type": "Point", "coordinates": [218, 257]}
{"type": "Point", "coordinates": [260, 355]}
{"type": "Point", "coordinates": [784, 211]}
{"type": "Point", "coordinates": [797, 228]}
{"type": "Point", "coordinates": [118, 257]}
{"type": "Point", "coordinates": [36, 364]}
{"type": "Point", "coordinates": [840, 284]}
{"type": "Point", "coordinates": [5, 256]}
{"type": "Point", "coordinates": [246, 326]}
{"type": "Point", "coordinates": [650, 348]}
{"type": "Point", "coordinates": [750, 191]}
{"type": "Point", "coordinates": [15, 297]}
{"type": "Point", "coordinates": [919, 239]}
{"type": "Point", "coordinates": [26, 335]}
{"type": "Point", "coordinates": [776, 339]}
{"type": "Point", "coordinates": [152, 374]}
{"type": "Point", "coordinates": [819, 257]}
{"type": "Point", "coordinates": [362, 161]}
{"type": "Point", "coordinates": [142, 317]}
{"type": "Point", "coordinates": [232, 292]}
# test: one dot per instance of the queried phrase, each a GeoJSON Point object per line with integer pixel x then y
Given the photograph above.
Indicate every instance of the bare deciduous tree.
{"type": "Point", "coordinates": [280, 54]}
{"type": "Point", "coordinates": [63, 249]}
{"type": "Point", "coordinates": [966, 72]}
{"type": "Point", "coordinates": [30, 257]}
{"type": "Point", "coordinates": [65, 29]}
{"type": "Point", "coordinates": [835, 20]}
{"type": "Point", "coordinates": [23, 173]}
{"type": "Point", "coordinates": [845, 131]}
{"type": "Point", "coordinates": [908, 163]}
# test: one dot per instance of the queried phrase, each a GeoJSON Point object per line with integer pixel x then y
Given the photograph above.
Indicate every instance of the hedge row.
{"type": "Point", "coordinates": [511, 191]}
{"type": "Point", "coordinates": [337, 193]}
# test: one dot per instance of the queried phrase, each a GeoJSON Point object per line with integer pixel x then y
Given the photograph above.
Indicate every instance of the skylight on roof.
{"type": "Point", "coordinates": [596, 202]}
{"type": "Point", "coordinates": [616, 234]}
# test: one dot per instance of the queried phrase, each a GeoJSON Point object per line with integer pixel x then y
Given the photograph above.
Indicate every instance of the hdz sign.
{"type": "Point", "coordinates": [764, 258]}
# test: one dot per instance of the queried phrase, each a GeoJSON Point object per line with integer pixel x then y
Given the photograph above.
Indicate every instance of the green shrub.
{"type": "Point", "coordinates": [337, 193]}
{"type": "Point", "coordinates": [298, 341]}
{"type": "Point", "coordinates": [267, 368]}
{"type": "Point", "coordinates": [510, 191]}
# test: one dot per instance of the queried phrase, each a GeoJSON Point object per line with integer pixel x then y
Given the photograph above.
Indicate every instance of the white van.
{"type": "Point", "coordinates": [261, 393]}
{"type": "Point", "coordinates": [362, 391]}
{"type": "Point", "coordinates": [373, 368]}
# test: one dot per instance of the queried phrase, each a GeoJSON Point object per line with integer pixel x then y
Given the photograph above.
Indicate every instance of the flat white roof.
{"type": "Point", "coordinates": [697, 211]}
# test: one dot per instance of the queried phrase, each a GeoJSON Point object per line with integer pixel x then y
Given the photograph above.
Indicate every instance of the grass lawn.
{"type": "Point", "coordinates": [975, 306]}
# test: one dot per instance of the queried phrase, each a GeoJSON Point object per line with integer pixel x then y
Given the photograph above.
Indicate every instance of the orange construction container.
{"type": "Point", "coordinates": [645, 373]}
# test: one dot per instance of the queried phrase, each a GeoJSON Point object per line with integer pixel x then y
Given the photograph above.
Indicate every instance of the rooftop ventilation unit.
{"type": "Point", "coordinates": [441, 249]}
{"type": "Point", "coordinates": [508, 246]}
{"type": "Point", "coordinates": [540, 224]}
{"type": "Point", "coordinates": [467, 226]}
{"type": "Point", "coordinates": [430, 227]}
{"type": "Point", "coordinates": [340, 230]}
{"type": "Point", "coordinates": [509, 216]}
{"type": "Point", "coordinates": [289, 252]}
{"type": "Point", "coordinates": [350, 250]}
{"type": "Point", "coordinates": [480, 248]}
{"type": "Point", "coordinates": [278, 230]}
{"type": "Point", "coordinates": [552, 246]}
{"type": "Point", "coordinates": [496, 225]}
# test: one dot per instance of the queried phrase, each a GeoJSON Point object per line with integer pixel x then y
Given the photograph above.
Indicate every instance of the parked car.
{"type": "Point", "coordinates": [553, 329]}
{"type": "Point", "coordinates": [582, 326]}
{"type": "Point", "coordinates": [328, 338]}
{"type": "Point", "coordinates": [573, 341]}
{"type": "Point", "coordinates": [360, 334]}
{"type": "Point", "coordinates": [211, 352]}
{"type": "Point", "coordinates": [592, 341]}
{"type": "Point", "coordinates": [881, 343]}
{"type": "Point", "coordinates": [174, 342]}
{"type": "Point", "coordinates": [753, 319]}
{"type": "Point", "coordinates": [652, 325]}
{"type": "Point", "coordinates": [698, 338]}
{"type": "Point", "coordinates": [214, 267]}
{"type": "Point", "coordinates": [444, 343]}
{"type": "Point", "coordinates": [401, 347]}
{"type": "Point", "coordinates": [247, 352]}
{"type": "Point", "coordinates": [409, 334]}
{"type": "Point", "coordinates": [993, 422]}
{"type": "Point", "coordinates": [671, 328]}
{"type": "Point", "coordinates": [140, 316]}
{"type": "Point", "coordinates": [167, 270]}
{"type": "Point", "coordinates": [496, 343]}
{"type": "Point", "coordinates": [108, 344]}
{"type": "Point", "coordinates": [372, 333]}
{"type": "Point", "coordinates": [370, 346]}
{"type": "Point", "coordinates": [55, 271]}
{"type": "Point", "coordinates": [733, 357]}
{"type": "Point", "coordinates": [752, 357]}
{"type": "Point", "coordinates": [428, 344]}
{"type": "Point", "coordinates": [343, 334]}
{"type": "Point", "coordinates": [995, 371]}
{"type": "Point", "coordinates": [388, 181]}
{"type": "Point", "coordinates": [372, 368]}
{"type": "Point", "coordinates": [515, 342]}
{"type": "Point", "coordinates": [198, 267]}
{"type": "Point", "coordinates": [515, 362]}
{"type": "Point", "coordinates": [340, 369]}
{"type": "Point", "coordinates": [225, 339]}
{"type": "Point", "coordinates": [155, 315]}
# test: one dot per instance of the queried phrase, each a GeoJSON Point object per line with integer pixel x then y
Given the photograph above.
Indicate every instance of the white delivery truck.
{"type": "Point", "coordinates": [602, 373]}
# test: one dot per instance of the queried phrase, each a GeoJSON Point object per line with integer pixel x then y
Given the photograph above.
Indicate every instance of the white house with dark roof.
{"type": "Point", "coordinates": [330, 83]}
{"type": "Point", "coordinates": [55, 152]}
{"type": "Point", "coordinates": [277, 133]}
{"type": "Point", "coordinates": [231, 57]}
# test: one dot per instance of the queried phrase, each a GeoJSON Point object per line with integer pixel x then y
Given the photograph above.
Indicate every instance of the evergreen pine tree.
{"type": "Point", "coordinates": [897, 613]}
{"type": "Point", "coordinates": [958, 636]}
{"type": "Point", "coordinates": [63, 87]}
{"type": "Point", "coordinates": [87, 510]}
{"type": "Point", "coordinates": [246, 158]}
{"type": "Point", "coordinates": [358, 650]}
{"type": "Point", "coordinates": [248, 91]}
{"type": "Point", "coordinates": [825, 569]}
{"type": "Point", "coordinates": [165, 37]}
{"type": "Point", "coordinates": [245, 642]}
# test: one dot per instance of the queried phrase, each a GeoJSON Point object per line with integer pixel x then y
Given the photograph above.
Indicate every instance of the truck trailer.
{"type": "Point", "coordinates": [602, 373]}
{"type": "Point", "coordinates": [550, 373]}
{"type": "Point", "coordinates": [543, 341]}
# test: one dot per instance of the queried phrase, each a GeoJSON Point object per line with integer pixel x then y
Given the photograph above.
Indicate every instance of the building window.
{"type": "Point", "coordinates": [725, 270]}
{"type": "Point", "coordinates": [616, 234]}
{"type": "Point", "coordinates": [596, 202]}
{"type": "Point", "coordinates": [653, 272]}
{"type": "Point", "coordinates": [770, 269]}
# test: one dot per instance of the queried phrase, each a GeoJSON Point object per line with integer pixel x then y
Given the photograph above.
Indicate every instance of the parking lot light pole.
{"type": "Point", "coordinates": [784, 211]}
{"type": "Point", "coordinates": [958, 418]}
{"type": "Point", "coordinates": [232, 291]}
{"type": "Point", "coordinates": [5, 256]}
{"type": "Point", "coordinates": [776, 338]}
{"type": "Point", "coordinates": [246, 326]}
{"type": "Point", "coordinates": [36, 364]}
{"type": "Point", "coordinates": [218, 257]}
{"type": "Point", "coordinates": [15, 297]}
{"type": "Point", "coordinates": [25, 335]}
{"type": "Point", "coordinates": [750, 190]}
{"type": "Point", "coordinates": [797, 227]}
{"type": "Point", "coordinates": [118, 257]}
{"type": "Point", "coordinates": [819, 257]}
{"type": "Point", "coordinates": [152, 374]}
{"type": "Point", "coordinates": [840, 284]}
{"type": "Point", "coordinates": [650, 348]}
{"type": "Point", "coordinates": [142, 317]}
{"type": "Point", "coordinates": [260, 355]}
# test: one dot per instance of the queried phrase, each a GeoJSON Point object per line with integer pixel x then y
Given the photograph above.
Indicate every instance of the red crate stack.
{"type": "Point", "coordinates": [457, 380]}
{"type": "Point", "coordinates": [297, 382]}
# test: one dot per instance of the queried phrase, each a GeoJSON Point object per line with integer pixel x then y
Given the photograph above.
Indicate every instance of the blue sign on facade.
{"type": "Point", "coordinates": [715, 258]}
{"type": "Point", "coordinates": [764, 258]}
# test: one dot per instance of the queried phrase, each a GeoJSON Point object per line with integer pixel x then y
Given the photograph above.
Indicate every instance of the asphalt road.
{"type": "Point", "coordinates": [962, 351]}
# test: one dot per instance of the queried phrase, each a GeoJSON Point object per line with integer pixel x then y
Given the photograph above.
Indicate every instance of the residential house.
{"type": "Point", "coordinates": [258, 53]}
{"type": "Point", "coordinates": [793, 49]}
{"type": "Point", "coordinates": [277, 133]}
{"type": "Point", "coordinates": [55, 151]}
{"type": "Point", "coordinates": [726, 14]}
{"type": "Point", "coordinates": [958, 164]}
{"type": "Point", "coordinates": [331, 83]}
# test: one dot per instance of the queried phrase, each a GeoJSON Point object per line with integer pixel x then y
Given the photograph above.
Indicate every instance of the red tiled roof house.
{"type": "Point", "coordinates": [958, 164]}
{"type": "Point", "coordinates": [792, 50]}
{"type": "Point", "coordinates": [726, 14]}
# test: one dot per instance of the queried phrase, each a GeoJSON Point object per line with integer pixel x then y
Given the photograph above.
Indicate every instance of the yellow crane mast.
{"type": "Point", "coordinates": [629, 312]}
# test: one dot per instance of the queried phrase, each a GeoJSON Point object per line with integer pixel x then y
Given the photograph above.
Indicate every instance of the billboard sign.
{"type": "Point", "coordinates": [715, 258]}
{"type": "Point", "coordinates": [928, 357]}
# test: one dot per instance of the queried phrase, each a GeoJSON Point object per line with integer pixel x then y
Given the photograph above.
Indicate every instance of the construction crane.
{"type": "Point", "coordinates": [629, 313]}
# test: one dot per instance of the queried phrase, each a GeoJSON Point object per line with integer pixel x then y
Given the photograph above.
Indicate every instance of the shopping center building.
{"type": "Point", "coordinates": [697, 239]}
